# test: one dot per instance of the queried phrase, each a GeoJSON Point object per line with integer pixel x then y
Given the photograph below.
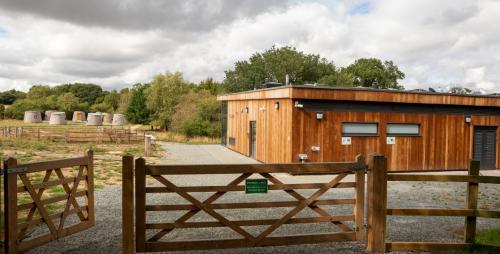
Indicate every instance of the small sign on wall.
{"type": "Point", "coordinates": [391, 140]}
{"type": "Point", "coordinates": [346, 140]}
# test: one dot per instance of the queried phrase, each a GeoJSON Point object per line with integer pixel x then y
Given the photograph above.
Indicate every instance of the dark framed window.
{"type": "Point", "coordinates": [359, 129]}
{"type": "Point", "coordinates": [403, 129]}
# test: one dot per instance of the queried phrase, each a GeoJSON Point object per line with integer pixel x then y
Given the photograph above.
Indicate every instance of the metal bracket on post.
{"type": "Point", "coordinates": [14, 170]}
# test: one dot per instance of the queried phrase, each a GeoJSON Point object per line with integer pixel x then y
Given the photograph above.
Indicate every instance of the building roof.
{"type": "Point", "coordinates": [363, 94]}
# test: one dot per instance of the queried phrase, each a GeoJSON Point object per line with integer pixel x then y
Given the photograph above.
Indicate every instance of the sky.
{"type": "Point", "coordinates": [117, 43]}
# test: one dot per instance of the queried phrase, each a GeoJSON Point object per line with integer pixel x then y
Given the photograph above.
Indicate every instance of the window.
{"type": "Point", "coordinates": [359, 129]}
{"type": "Point", "coordinates": [403, 129]}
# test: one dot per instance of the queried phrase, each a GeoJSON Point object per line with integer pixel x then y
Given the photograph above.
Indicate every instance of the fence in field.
{"type": "Point", "coordinates": [163, 175]}
{"type": "Point", "coordinates": [378, 211]}
{"type": "Point", "coordinates": [75, 134]}
{"type": "Point", "coordinates": [36, 222]}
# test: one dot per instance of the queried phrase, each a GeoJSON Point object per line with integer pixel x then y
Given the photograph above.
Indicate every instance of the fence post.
{"type": "Point", "coordinates": [140, 205]}
{"type": "Point", "coordinates": [472, 191]}
{"type": "Point", "coordinates": [147, 146]}
{"type": "Point", "coordinates": [10, 207]}
{"type": "Point", "coordinates": [360, 199]}
{"type": "Point", "coordinates": [377, 203]}
{"type": "Point", "coordinates": [90, 186]}
{"type": "Point", "coordinates": [128, 203]}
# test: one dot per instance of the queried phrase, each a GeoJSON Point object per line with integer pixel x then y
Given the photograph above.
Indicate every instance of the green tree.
{"type": "Point", "coordinates": [136, 111]}
{"type": "Point", "coordinates": [273, 65]}
{"type": "Point", "coordinates": [2, 111]}
{"type": "Point", "coordinates": [39, 92]}
{"type": "Point", "coordinates": [9, 97]}
{"type": "Point", "coordinates": [197, 114]}
{"type": "Point", "coordinates": [16, 111]}
{"type": "Point", "coordinates": [371, 72]}
{"type": "Point", "coordinates": [210, 85]}
{"type": "Point", "coordinates": [163, 95]}
{"type": "Point", "coordinates": [340, 78]}
{"type": "Point", "coordinates": [88, 93]}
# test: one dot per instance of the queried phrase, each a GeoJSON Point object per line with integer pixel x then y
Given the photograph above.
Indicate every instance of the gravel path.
{"type": "Point", "coordinates": [105, 237]}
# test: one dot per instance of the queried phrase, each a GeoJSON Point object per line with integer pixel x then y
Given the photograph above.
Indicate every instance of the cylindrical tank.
{"type": "Point", "coordinates": [107, 117]}
{"type": "Point", "coordinates": [119, 119]}
{"type": "Point", "coordinates": [79, 116]}
{"type": "Point", "coordinates": [47, 114]}
{"type": "Point", "coordinates": [57, 118]}
{"type": "Point", "coordinates": [94, 119]}
{"type": "Point", "coordinates": [32, 116]}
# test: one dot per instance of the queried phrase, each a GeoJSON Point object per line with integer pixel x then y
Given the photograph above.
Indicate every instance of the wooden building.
{"type": "Point", "coordinates": [415, 130]}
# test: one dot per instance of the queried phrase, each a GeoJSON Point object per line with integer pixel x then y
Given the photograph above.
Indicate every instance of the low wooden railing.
{"type": "Point", "coordinates": [36, 179]}
{"type": "Point", "coordinates": [75, 134]}
{"type": "Point", "coordinates": [377, 206]}
{"type": "Point", "coordinates": [162, 175]}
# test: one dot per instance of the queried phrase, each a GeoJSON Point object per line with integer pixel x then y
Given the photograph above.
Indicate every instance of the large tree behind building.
{"type": "Point", "coordinates": [372, 72]}
{"type": "Point", "coordinates": [273, 65]}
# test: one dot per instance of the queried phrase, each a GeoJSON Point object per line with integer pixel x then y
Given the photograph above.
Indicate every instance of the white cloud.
{"type": "Point", "coordinates": [435, 43]}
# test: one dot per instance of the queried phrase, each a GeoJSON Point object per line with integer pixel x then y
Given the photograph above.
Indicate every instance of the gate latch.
{"type": "Point", "coordinates": [14, 170]}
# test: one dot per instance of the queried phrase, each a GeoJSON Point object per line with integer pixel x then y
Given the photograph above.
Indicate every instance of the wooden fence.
{"type": "Point", "coordinates": [163, 174]}
{"type": "Point", "coordinates": [35, 222]}
{"type": "Point", "coordinates": [377, 206]}
{"type": "Point", "coordinates": [75, 134]}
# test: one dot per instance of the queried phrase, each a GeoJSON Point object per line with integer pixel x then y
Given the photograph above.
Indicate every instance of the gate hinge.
{"type": "Point", "coordinates": [14, 170]}
{"type": "Point", "coordinates": [3, 243]}
{"type": "Point", "coordinates": [366, 226]}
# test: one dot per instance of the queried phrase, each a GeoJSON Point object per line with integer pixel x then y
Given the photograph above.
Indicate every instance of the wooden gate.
{"type": "Point", "coordinates": [32, 218]}
{"type": "Point", "coordinates": [159, 180]}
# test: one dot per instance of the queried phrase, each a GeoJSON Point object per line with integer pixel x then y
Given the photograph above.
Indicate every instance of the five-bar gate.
{"type": "Point", "coordinates": [160, 179]}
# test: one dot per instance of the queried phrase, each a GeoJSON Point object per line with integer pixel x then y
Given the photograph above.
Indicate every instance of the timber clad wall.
{"type": "Point", "coordinates": [445, 140]}
{"type": "Point", "coordinates": [273, 128]}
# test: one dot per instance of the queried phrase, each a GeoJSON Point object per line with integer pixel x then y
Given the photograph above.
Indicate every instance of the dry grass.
{"type": "Point", "coordinates": [179, 138]}
{"type": "Point", "coordinates": [107, 157]}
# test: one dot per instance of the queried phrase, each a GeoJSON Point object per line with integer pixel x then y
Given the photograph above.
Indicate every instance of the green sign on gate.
{"type": "Point", "coordinates": [256, 186]}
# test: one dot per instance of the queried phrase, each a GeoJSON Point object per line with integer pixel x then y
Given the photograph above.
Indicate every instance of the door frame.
{"type": "Point", "coordinates": [252, 147]}
{"type": "Point", "coordinates": [494, 147]}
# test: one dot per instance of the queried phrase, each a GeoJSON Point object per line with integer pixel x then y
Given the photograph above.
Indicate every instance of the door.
{"type": "Point", "coordinates": [485, 141]}
{"type": "Point", "coordinates": [253, 139]}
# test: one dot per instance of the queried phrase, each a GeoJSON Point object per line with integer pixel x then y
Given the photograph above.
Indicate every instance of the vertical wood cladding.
{"type": "Point", "coordinates": [445, 141]}
{"type": "Point", "coordinates": [273, 128]}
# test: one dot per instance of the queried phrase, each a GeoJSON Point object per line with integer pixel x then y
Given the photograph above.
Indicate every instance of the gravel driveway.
{"type": "Point", "coordinates": [105, 237]}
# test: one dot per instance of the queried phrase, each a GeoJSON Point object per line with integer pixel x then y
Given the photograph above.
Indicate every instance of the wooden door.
{"type": "Point", "coordinates": [253, 139]}
{"type": "Point", "coordinates": [485, 146]}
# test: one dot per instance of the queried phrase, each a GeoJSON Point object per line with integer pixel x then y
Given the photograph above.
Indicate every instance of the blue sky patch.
{"type": "Point", "coordinates": [3, 32]}
{"type": "Point", "coordinates": [360, 9]}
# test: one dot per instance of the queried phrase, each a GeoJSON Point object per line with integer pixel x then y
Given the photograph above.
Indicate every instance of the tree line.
{"type": "Point", "coordinates": [171, 103]}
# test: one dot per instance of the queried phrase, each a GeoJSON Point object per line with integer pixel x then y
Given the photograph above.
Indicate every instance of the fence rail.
{"type": "Point", "coordinates": [377, 206]}
{"type": "Point", "coordinates": [75, 134]}
{"type": "Point", "coordinates": [161, 173]}
{"type": "Point", "coordinates": [21, 216]}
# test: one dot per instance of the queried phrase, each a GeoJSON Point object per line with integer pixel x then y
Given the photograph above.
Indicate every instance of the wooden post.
{"type": "Point", "coordinates": [90, 186]}
{"type": "Point", "coordinates": [360, 199]}
{"type": "Point", "coordinates": [472, 191]}
{"type": "Point", "coordinates": [38, 134]}
{"type": "Point", "coordinates": [128, 203]}
{"type": "Point", "coordinates": [377, 203]}
{"type": "Point", "coordinates": [10, 207]}
{"type": "Point", "coordinates": [147, 146]}
{"type": "Point", "coordinates": [140, 205]}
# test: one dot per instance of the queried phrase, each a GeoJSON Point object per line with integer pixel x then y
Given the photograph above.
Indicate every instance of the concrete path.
{"type": "Point", "coordinates": [178, 153]}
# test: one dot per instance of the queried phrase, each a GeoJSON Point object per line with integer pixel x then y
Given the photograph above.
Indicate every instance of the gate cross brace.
{"type": "Point", "coordinates": [191, 213]}
{"type": "Point", "coordinates": [313, 206]}
{"type": "Point", "coordinates": [206, 209]}
{"type": "Point", "coordinates": [300, 207]}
